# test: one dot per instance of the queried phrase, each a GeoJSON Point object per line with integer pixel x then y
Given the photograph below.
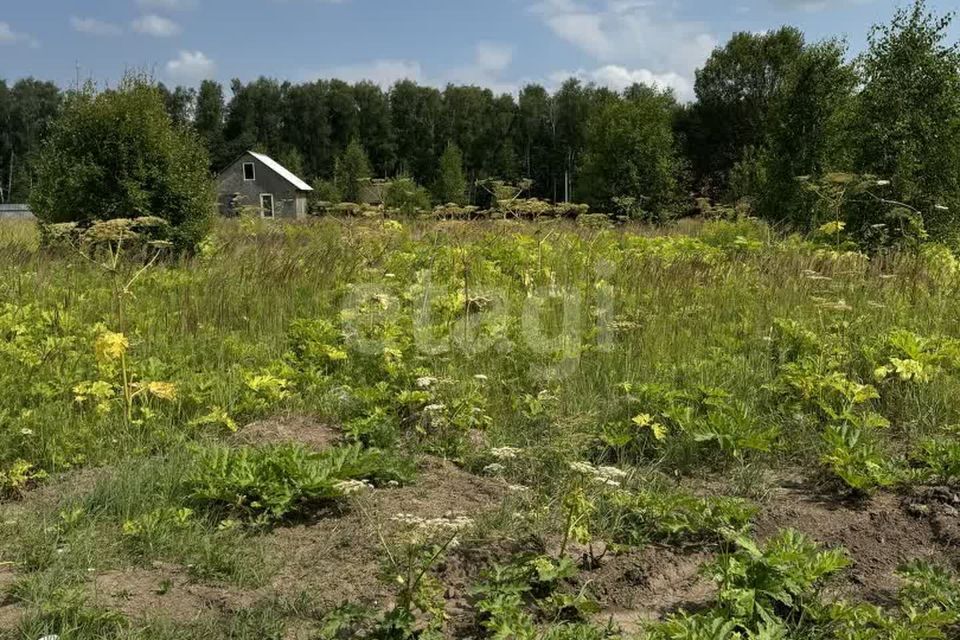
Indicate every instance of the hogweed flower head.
{"type": "Point", "coordinates": [505, 453]}
{"type": "Point", "coordinates": [426, 382]}
{"type": "Point", "coordinates": [350, 487]}
{"type": "Point", "coordinates": [427, 530]}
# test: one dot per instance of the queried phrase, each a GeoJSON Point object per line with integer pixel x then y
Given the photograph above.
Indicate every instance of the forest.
{"type": "Point", "coordinates": [770, 108]}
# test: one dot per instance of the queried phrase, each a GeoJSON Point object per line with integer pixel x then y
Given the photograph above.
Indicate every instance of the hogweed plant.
{"type": "Point", "coordinates": [117, 378]}
{"type": "Point", "coordinates": [417, 546]}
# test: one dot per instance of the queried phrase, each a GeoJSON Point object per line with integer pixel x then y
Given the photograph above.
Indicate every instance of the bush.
{"type": "Point", "coordinates": [268, 484]}
{"type": "Point", "coordinates": [405, 196]}
{"type": "Point", "coordinates": [116, 154]}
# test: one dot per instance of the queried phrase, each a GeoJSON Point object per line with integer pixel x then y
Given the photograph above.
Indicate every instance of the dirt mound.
{"type": "Point", "coordinates": [339, 558]}
{"type": "Point", "coordinates": [940, 506]}
{"type": "Point", "coordinates": [879, 535]}
{"type": "Point", "coordinates": [300, 429]}
{"type": "Point", "coordinates": [143, 593]}
{"type": "Point", "coordinates": [648, 584]}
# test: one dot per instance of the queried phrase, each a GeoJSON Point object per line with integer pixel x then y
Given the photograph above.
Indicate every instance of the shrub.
{"type": "Point", "coordinates": [405, 196]}
{"type": "Point", "coordinates": [116, 154]}
{"type": "Point", "coordinates": [271, 483]}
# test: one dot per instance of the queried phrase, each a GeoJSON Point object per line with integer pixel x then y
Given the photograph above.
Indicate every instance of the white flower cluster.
{"type": "Point", "coordinates": [426, 382]}
{"type": "Point", "coordinates": [505, 453]}
{"type": "Point", "coordinates": [349, 487]}
{"type": "Point", "coordinates": [494, 469]}
{"type": "Point", "coordinates": [608, 476]}
{"type": "Point", "coordinates": [431, 408]}
{"type": "Point", "coordinates": [429, 529]}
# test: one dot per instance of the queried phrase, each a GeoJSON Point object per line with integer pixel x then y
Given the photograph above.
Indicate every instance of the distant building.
{"type": "Point", "coordinates": [256, 182]}
{"type": "Point", "coordinates": [16, 212]}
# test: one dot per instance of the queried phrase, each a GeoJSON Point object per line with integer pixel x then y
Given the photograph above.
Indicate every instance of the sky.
{"type": "Point", "coordinates": [501, 44]}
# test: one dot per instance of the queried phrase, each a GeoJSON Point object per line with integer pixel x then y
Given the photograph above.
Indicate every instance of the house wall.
{"type": "Point", "coordinates": [15, 212]}
{"type": "Point", "coordinates": [231, 183]}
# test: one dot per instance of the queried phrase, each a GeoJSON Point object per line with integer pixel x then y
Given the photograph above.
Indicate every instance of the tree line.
{"type": "Point", "coordinates": [774, 116]}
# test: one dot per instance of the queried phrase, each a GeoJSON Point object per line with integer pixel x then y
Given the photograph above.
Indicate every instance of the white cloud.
{"type": "Point", "coordinates": [384, 72]}
{"type": "Point", "coordinates": [168, 5]}
{"type": "Point", "coordinates": [154, 25]}
{"type": "Point", "coordinates": [493, 56]}
{"type": "Point", "coordinates": [10, 37]}
{"type": "Point", "coordinates": [95, 27]}
{"type": "Point", "coordinates": [619, 78]}
{"type": "Point", "coordinates": [631, 33]}
{"type": "Point", "coordinates": [487, 68]}
{"type": "Point", "coordinates": [191, 67]}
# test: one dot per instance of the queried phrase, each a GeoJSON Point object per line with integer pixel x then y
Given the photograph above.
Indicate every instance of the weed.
{"type": "Point", "coordinates": [268, 484]}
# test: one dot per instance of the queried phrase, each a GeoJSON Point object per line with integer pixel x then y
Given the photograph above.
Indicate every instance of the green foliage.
{"type": "Point", "coordinates": [324, 194]}
{"type": "Point", "coordinates": [630, 152]}
{"type": "Point", "coordinates": [776, 582]}
{"type": "Point", "coordinates": [735, 90]}
{"type": "Point", "coordinates": [908, 114]}
{"type": "Point", "coordinates": [115, 154]}
{"type": "Point", "coordinates": [811, 111]}
{"type": "Point", "coordinates": [18, 478]}
{"type": "Point", "coordinates": [405, 196]}
{"type": "Point", "coordinates": [809, 378]}
{"type": "Point", "coordinates": [451, 186]}
{"type": "Point", "coordinates": [27, 110]}
{"type": "Point", "coordinates": [769, 592]}
{"type": "Point", "coordinates": [512, 597]}
{"type": "Point", "coordinates": [663, 515]}
{"type": "Point", "coordinates": [704, 419]}
{"type": "Point", "coordinates": [353, 168]}
{"type": "Point", "coordinates": [269, 484]}
{"type": "Point", "coordinates": [939, 460]}
{"type": "Point", "coordinates": [65, 612]}
{"type": "Point", "coordinates": [928, 607]}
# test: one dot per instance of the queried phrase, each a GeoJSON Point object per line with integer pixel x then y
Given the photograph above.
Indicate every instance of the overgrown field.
{"type": "Point", "coordinates": [375, 429]}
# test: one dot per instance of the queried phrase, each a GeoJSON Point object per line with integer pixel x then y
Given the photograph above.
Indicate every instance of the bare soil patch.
{"type": "Point", "coordinates": [940, 506]}
{"type": "Point", "coordinates": [10, 613]}
{"type": "Point", "coordinates": [649, 584]}
{"type": "Point", "coordinates": [167, 590]}
{"type": "Point", "coordinates": [879, 534]}
{"type": "Point", "coordinates": [295, 428]}
{"type": "Point", "coordinates": [337, 557]}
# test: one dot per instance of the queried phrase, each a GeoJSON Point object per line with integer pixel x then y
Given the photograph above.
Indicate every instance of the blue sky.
{"type": "Point", "coordinates": [497, 43]}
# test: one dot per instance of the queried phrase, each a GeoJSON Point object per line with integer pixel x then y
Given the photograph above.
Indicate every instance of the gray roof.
{"type": "Point", "coordinates": [282, 171]}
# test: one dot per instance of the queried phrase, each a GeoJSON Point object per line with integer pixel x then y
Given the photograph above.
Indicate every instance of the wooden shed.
{"type": "Point", "coordinates": [257, 182]}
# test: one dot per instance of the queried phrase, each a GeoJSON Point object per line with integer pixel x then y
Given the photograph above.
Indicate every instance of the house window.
{"type": "Point", "coordinates": [266, 205]}
{"type": "Point", "coordinates": [249, 173]}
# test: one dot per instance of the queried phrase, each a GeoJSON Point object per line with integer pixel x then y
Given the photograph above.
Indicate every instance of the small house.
{"type": "Point", "coordinates": [16, 212]}
{"type": "Point", "coordinates": [256, 182]}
